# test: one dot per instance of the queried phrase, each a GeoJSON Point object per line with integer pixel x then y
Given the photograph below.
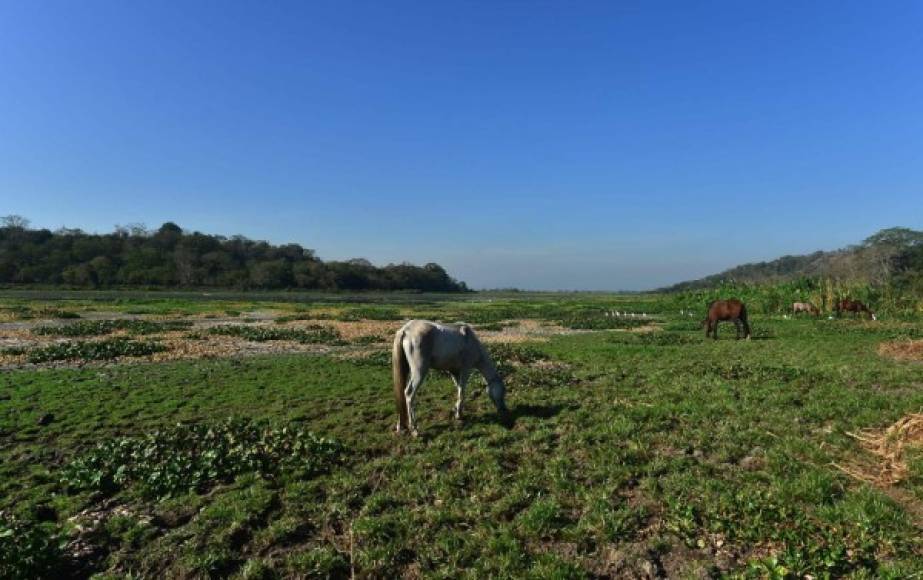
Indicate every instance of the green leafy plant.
{"type": "Point", "coordinates": [101, 327]}
{"type": "Point", "coordinates": [194, 457]}
{"type": "Point", "coordinates": [94, 350]}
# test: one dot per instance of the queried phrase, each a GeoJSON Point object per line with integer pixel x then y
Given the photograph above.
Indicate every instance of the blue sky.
{"type": "Point", "coordinates": [546, 145]}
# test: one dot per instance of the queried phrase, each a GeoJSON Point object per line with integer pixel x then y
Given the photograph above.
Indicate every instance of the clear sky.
{"type": "Point", "coordinates": [547, 145]}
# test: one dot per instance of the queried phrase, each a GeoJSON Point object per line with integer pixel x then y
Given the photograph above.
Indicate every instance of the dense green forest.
{"type": "Point", "coordinates": [171, 257]}
{"type": "Point", "coordinates": [892, 257]}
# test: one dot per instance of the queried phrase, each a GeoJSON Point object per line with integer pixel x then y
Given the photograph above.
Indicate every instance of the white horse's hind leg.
{"type": "Point", "coordinates": [461, 381]}
{"type": "Point", "coordinates": [418, 370]}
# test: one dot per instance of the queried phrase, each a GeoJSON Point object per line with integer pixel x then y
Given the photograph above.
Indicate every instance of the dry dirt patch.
{"type": "Point", "coordinates": [197, 342]}
{"type": "Point", "coordinates": [905, 350]}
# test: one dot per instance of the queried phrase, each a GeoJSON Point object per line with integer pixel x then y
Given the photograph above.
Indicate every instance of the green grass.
{"type": "Point", "coordinates": [630, 454]}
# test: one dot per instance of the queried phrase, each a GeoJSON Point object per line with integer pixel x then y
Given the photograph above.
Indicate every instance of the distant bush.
{"type": "Point", "coordinates": [370, 313]}
{"type": "Point", "coordinates": [186, 458]}
{"type": "Point", "coordinates": [28, 549]}
{"type": "Point", "coordinates": [94, 350]}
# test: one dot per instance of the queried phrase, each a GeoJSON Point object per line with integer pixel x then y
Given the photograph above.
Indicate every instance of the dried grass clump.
{"type": "Point", "coordinates": [910, 350]}
{"type": "Point", "coordinates": [889, 447]}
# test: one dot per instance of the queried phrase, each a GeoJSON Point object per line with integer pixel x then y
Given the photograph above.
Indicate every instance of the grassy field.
{"type": "Point", "coordinates": [638, 449]}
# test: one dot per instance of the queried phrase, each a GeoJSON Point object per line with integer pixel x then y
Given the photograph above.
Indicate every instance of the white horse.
{"type": "Point", "coordinates": [421, 345]}
{"type": "Point", "coordinates": [804, 307]}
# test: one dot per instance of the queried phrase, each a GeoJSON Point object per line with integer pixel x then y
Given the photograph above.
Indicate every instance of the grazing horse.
{"type": "Point", "coordinates": [421, 345]}
{"type": "Point", "coordinates": [854, 306]}
{"type": "Point", "coordinates": [733, 310]}
{"type": "Point", "coordinates": [805, 307]}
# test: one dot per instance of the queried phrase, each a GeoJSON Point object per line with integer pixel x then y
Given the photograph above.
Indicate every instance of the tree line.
{"type": "Point", "coordinates": [170, 257]}
{"type": "Point", "coordinates": [892, 257]}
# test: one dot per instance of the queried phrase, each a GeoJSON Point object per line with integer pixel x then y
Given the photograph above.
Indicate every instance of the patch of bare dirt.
{"type": "Point", "coordinates": [353, 329]}
{"type": "Point", "coordinates": [195, 342]}
{"type": "Point", "coordinates": [904, 350]}
{"type": "Point", "coordinates": [525, 330]}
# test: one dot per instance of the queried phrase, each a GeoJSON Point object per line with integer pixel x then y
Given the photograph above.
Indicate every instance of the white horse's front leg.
{"type": "Point", "coordinates": [461, 381]}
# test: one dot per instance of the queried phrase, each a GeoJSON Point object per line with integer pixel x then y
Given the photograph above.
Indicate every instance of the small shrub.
{"type": "Point", "coordinates": [519, 353]}
{"type": "Point", "coordinates": [313, 334]}
{"type": "Point", "coordinates": [28, 549]}
{"type": "Point", "coordinates": [370, 313]}
{"type": "Point", "coordinates": [94, 350]}
{"type": "Point", "coordinates": [194, 457]}
{"type": "Point", "coordinates": [375, 359]}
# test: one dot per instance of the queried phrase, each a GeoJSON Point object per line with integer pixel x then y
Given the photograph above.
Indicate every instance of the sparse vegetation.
{"type": "Point", "coordinates": [632, 453]}
{"type": "Point", "coordinates": [100, 327]}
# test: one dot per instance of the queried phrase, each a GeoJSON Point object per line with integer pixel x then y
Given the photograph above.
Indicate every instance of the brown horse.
{"type": "Point", "coordinates": [733, 310]}
{"type": "Point", "coordinates": [854, 306]}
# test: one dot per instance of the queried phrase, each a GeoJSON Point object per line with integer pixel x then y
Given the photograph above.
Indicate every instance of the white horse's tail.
{"type": "Point", "coordinates": [401, 370]}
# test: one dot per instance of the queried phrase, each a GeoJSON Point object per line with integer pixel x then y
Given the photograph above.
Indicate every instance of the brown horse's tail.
{"type": "Point", "coordinates": [401, 370]}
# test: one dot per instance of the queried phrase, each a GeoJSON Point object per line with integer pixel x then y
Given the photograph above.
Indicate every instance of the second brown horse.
{"type": "Point", "coordinates": [854, 306]}
{"type": "Point", "coordinates": [733, 310]}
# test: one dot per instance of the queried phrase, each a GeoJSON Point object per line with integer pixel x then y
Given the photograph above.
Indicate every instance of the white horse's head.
{"type": "Point", "coordinates": [497, 391]}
